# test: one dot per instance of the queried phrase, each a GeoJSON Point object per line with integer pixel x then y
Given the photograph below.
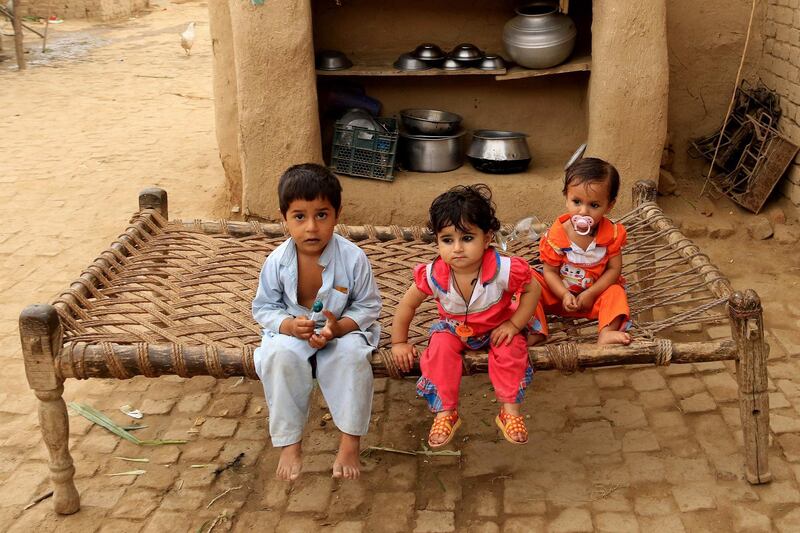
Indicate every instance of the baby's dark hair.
{"type": "Point", "coordinates": [464, 204]}
{"type": "Point", "coordinates": [308, 181]}
{"type": "Point", "coordinates": [592, 170]}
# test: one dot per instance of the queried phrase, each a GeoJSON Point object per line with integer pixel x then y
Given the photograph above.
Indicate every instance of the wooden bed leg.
{"type": "Point", "coordinates": [154, 198]}
{"type": "Point", "coordinates": [40, 332]}
{"type": "Point", "coordinates": [644, 191]}
{"type": "Point", "coordinates": [747, 327]}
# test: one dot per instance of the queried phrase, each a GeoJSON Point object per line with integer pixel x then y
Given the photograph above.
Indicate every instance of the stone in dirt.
{"type": "Point", "coordinates": [693, 229]}
{"type": "Point", "coordinates": [666, 183]}
{"type": "Point", "coordinates": [721, 230]}
{"type": "Point", "coordinates": [775, 214]}
{"type": "Point", "coordinates": [759, 228]}
{"type": "Point", "coordinates": [706, 207]}
{"type": "Point", "coordinates": [786, 234]}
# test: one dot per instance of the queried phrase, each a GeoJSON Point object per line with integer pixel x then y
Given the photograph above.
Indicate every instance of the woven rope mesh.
{"type": "Point", "coordinates": [180, 285]}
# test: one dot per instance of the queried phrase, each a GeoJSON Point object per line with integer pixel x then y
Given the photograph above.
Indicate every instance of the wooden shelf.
{"type": "Point", "coordinates": [579, 63]}
{"type": "Point", "coordinates": [385, 68]}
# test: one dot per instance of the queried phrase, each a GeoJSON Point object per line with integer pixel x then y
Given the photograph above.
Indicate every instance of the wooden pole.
{"type": "Point", "coordinates": [747, 328]}
{"type": "Point", "coordinates": [41, 336]}
{"type": "Point", "coordinates": [17, 23]}
{"type": "Point", "coordinates": [46, 26]}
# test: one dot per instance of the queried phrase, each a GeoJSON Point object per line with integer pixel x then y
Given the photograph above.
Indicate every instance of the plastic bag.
{"type": "Point", "coordinates": [529, 229]}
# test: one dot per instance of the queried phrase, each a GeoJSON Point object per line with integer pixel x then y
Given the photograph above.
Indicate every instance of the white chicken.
{"type": "Point", "coordinates": [187, 38]}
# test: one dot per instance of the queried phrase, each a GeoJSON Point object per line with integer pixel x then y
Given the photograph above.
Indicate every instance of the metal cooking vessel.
{"type": "Point", "coordinates": [539, 36]}
{"type": "Point", "coordinates": [430, 121]}
{"type": "Point", "coordinates": [426, 153]}
{"type": "Point", "coordinates": [499, 152]}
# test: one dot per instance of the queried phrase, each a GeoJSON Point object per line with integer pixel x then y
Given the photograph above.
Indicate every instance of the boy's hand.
{"type": "Point", "coordinates": [569, 302]}
{"type": "Point", "coordinates": [404, 354]}
{"type": "Point", "coordinates": [585, 300]}
{"type": "Point", "coordinates": [301, 327]}
{"type": "Point", "coordinates": [329, 331]}
{"type": "Point", "coordinates": [504, 333]}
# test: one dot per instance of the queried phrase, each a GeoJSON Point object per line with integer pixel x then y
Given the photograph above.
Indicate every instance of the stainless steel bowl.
{"type": "Point", "coordinates": [429, 121]}
{"type": "Point", "coordinates": [426, 153]}
{"type": "Point", "coordinates": [429, 53]}
{"type": "Point", "coordinates": [453, 64]}
{"type": "Point", "coordinates": [467, 53]}
{"type": "Point", "coordinates": [499, 152]}
{"type": "Point", "coordinates": [492, 62]}
{"type": "Point", "coordinates": [409, 62]}
{"type": "Point", "coordinates": [332, 60]}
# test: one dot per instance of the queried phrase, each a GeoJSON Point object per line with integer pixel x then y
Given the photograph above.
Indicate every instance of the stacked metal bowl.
{"type": "Point", "coordinates": [431, 140]}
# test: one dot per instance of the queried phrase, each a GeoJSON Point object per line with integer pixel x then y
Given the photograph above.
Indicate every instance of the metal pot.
{"type": "Point", "coordinates": [499, 152]}
{"type": "Point", "coordinates": [430, 121]}
{"type": "Point", "coordinates": [426, 153]}
{"type": "Point", "coordinates": [539, 36]}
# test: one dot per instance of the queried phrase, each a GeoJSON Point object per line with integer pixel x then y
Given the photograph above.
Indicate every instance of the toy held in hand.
{"type": "Point", "coordinates": [316, 314]}
{"type": "Point", "coordinates": [582, 224]}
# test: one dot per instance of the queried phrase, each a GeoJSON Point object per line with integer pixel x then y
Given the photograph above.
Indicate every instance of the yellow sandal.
{"type": "Point", "coordinates": [444, 425]}
{"type": "Point", "coordinates": [509, 423]}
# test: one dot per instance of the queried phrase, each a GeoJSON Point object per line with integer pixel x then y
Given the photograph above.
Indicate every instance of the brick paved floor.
{"type": "Point", "coordinates": [617, 450]}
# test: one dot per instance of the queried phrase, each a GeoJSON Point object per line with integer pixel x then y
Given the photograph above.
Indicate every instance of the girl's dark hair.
{"type": "Point", "coordinates": [464, 204]}
{"type": "Point", "coordinates": [308, 181]}
{"type": "Point", "coordinates": [592, 170]}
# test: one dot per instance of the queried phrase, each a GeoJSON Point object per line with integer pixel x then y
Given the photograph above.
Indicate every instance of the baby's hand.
{"type": "Point", "coordinates": [301, 327]}
{"type": "Point", "coordinates": [585, 301]}
{"type": "Point", "coordinates": [329, 331]}
{"type": "Point", "coordinates": [504, 333]}
{"type": "Point", "coordinates": [404, 354]}
{"type": "Point", "coordinates": [569, 302]}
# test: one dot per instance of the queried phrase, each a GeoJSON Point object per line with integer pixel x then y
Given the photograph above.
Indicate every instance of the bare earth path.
{"type": "Point", "coordinates": [635, 449]}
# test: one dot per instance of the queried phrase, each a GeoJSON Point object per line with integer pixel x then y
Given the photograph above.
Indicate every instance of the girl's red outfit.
{"type": "Point", "coordinates": [579, 270]}
{"type": "Point", "coordinates": [490, 305]}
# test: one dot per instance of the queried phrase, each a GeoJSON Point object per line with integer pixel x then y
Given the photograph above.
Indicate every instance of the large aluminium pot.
{"type": "Point", "coordinates": [499, 152]}
{"type": "Point", "coordinates": [539, 36]}
{"type": "Point", "coordinates": [428, 153]}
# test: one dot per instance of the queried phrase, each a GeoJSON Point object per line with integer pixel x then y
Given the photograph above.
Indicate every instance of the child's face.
{"type": "Point", "coordinates": [589, 199]}
{"type": "Point", "coordinates": [463, 251]}
{"type": "Point", "coordinates": [311, 224]}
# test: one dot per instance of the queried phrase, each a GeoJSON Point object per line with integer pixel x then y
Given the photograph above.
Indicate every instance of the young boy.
{"type": "Point", "coordinates": [316, 264]}
{"type": "Point", "coordinates": [581, 254]}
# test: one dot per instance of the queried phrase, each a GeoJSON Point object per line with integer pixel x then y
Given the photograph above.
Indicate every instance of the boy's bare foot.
{"type": "Point", "coordinates": [535, 338]}
{"type": "Point", "coordinates": [290, 462]}
{"type": "Point", "coordinates": [347, 464]}
{"type": "Point", "coordinates": [609, 336]}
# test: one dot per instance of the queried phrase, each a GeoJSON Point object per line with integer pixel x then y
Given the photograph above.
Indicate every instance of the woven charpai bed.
{"type": "Point", "coordinates": [173, 297]}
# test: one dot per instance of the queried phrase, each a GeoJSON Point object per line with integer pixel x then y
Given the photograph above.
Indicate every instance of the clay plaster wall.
{"type": "Point", "coordinates": [274, 85]}
{"type": "Point", "coordinates": [89, 9]}
{"type": "Point", "coordinates": [705, 41]}
{"type": "Point", "coordinates": [780, 70]}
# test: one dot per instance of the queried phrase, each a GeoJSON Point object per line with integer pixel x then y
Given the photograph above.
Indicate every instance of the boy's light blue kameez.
{"type": "Point", "coordinates": [343, 369]}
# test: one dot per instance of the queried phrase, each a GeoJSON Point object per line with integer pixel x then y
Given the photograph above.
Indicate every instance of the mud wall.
{"type": "Point", "coordinates": [705, 41]}
{"type": "Point", "coordinates": [779, 68]}
{"type": "Point", "coordinates": [84, 9]}
{"type": "Point", "coordinates": [277, 123]}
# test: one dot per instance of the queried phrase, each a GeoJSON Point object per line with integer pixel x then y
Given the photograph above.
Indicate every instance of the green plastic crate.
{"type": "Point", "coordinates": [365, 153]}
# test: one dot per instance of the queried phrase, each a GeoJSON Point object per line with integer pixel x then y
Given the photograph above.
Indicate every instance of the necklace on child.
{"type": "Point", "coordinates": [462, 329]}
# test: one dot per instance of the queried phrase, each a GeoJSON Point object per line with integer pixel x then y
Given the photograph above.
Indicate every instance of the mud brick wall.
{"type": "Point", "coordinates": [780, 71]}
{"type": "Point", "coordinates": [84, 9]}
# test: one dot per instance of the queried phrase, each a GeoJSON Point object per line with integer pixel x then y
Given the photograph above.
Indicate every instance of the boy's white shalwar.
{"type": "Point", "coordinates": [282, 362]}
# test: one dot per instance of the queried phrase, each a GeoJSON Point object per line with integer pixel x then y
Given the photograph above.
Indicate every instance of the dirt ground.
{"type": "Point", "coordinates": [116, 108]}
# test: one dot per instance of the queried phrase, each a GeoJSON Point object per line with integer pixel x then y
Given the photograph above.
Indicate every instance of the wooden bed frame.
{"type": "Point", "coordinates": [173, 297]}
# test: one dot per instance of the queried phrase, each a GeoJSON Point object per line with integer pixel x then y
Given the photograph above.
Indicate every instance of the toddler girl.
{"type": "Point", "coordinates": [581, 254]}
{"type": "Point", "coordinates": [473, 287]}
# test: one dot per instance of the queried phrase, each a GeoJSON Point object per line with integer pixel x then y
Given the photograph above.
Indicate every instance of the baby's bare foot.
{"type": "Point", "coordinates": [290, 463]}
{"type": "Point", "coordinates": [608, 336]}
{"type": "Point", "coordinates": [347, 464]}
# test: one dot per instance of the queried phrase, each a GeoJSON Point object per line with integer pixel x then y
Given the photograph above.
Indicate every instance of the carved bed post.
{"type": "Point", "coordinates": [747, 328]}
{"type": "Point", "coordinates": [154, 198]}
{"type": "Point", "coordinates": [40, 333]}
{"type": "Point", "coordinates": [644, 191]}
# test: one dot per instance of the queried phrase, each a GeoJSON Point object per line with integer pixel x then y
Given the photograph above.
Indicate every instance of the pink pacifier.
{"type": "Point", "coordinates": [582, 224]}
